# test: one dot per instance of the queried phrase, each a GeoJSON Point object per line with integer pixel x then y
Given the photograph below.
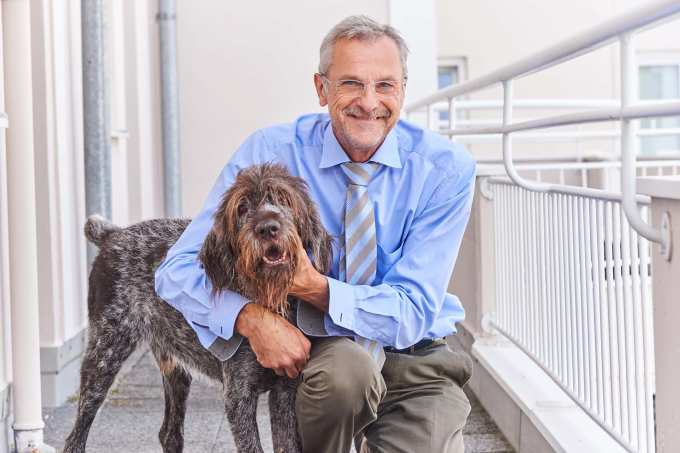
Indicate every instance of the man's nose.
{"type": "Point", "coordinates": [368, 100]}
{"type": "Point", "coordinates": [268, 229]}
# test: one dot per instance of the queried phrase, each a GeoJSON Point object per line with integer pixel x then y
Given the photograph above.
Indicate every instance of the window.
{"type": "Point", "coordinates": [450, 71]}
{"type": "Point", "coordinates": [660, 80]}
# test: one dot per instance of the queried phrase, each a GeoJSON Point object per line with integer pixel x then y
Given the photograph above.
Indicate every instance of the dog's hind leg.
{"type": "Point", "coordinates": [176, 386]}
{"type": "Point", "coordinates": [103, 358]}
{"type": "Point", "coordinates": [282, 416]}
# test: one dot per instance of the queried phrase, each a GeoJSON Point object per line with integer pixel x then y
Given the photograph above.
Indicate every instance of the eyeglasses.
{"type": "Point", "coordinates": [351, 87]}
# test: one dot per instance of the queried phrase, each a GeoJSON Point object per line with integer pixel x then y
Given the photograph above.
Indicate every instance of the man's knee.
{"type": "Point", "coordinates": [347, 380]}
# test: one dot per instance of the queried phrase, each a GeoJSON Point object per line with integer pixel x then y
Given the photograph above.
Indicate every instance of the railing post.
{"type": "Point", "coordinates": [474, 278]}
{"type": "Point", "coordinates": [665, 192]}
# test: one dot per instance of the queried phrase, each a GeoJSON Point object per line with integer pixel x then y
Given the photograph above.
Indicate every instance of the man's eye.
{"type": "Point", "coordinates": [385, 86]}
{"type": "Point", "coordinates": [350, 84]}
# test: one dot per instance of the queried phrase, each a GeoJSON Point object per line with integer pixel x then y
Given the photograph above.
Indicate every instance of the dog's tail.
{"type": "Point", "coordinates": [97, 229]}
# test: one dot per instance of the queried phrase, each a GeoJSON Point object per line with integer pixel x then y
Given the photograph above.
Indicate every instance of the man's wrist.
{"type": "Point", "coordinates": [314, 291]}
{"type": "Point", "coordinates": [247, 319]}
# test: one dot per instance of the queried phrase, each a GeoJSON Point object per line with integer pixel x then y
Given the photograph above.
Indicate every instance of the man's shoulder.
{"type": "Point", "coordinates": [306, 130]}
{"type": "Point", "coordinates": [442, 153]}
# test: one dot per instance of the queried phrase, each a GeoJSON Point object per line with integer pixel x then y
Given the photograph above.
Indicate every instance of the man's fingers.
{"type": "Point", "coordinates": [292, 372]}
{"type": "Point", "coordinates": [279, 372]}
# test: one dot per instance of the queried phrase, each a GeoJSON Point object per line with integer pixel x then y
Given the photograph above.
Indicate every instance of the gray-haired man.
{"type": "Point", "coordinates": [397, 199]}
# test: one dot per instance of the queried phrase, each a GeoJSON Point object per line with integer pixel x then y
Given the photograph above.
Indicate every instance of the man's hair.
{"type": "Point", "coordinates": [362, 28]}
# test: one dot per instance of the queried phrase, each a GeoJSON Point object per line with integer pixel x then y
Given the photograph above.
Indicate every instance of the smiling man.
{"type": "Point", "coordinates": [396, 198]}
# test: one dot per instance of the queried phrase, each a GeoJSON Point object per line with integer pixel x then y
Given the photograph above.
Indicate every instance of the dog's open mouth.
{"type": "Point", "coordinates": [274, 255]}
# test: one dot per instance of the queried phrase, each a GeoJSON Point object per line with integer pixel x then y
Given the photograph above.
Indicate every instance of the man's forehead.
{"type": "Point", "coordinates": [354, 58]}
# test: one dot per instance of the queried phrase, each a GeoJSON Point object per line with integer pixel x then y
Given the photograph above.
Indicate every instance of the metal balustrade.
{"type": "Point", "coordinates": [573, 274]}
{"type": "Point", "coordinates": [574, 292]}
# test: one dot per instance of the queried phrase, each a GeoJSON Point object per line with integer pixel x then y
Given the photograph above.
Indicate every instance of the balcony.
{"type": "Point", "coordinates": [568, 269]}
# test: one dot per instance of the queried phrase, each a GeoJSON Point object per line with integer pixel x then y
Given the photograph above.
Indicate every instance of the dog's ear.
{"type": "Point", "coordinates": [217, 260]}
{"type": "Point", "coordinates": [216, 254]}
{"type": "Point", "coordinates": [319, 244]}
{"type": "Point", "coordinates": [314, 236]}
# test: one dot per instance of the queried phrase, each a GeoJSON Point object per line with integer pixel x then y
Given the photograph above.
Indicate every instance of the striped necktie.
{"type": "Point", "coordinates": [358, 262]}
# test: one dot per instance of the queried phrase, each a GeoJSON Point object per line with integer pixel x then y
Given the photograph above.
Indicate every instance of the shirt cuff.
{"type": "Point", "coordinates": [341, 303]}
{"type": "Point", "coordinates": [222, 317]}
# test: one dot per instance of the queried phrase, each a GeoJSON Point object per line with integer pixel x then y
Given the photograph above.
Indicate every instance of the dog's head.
{"type": "Point", "coordinates": [259, 225]}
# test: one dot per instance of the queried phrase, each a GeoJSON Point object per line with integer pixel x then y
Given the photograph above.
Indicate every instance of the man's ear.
{"type": "Point", "coordinates": [320, 91]}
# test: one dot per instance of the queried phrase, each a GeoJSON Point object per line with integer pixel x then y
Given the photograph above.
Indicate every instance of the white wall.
{"type": "Point", "coordinates": [59, 169]}
{"type": "Point", "coordinates": [245, 67]}
{"type": "Point", "coordinates": [144, 154]}
{"type": "Point", "coordinates": [416, 23]}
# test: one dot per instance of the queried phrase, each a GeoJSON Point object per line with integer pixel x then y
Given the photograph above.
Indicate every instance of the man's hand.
{"type": "Point", "coordinates": [277, 344]}
{"type": "Point", "coordinates": [308, 284]}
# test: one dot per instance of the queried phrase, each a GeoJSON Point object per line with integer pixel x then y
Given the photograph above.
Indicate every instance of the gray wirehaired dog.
{"type": "Point", "coordinates": [252, 249]}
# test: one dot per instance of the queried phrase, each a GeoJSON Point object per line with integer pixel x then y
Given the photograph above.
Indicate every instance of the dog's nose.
{"type": "Point", "coordinates": [268, 229]}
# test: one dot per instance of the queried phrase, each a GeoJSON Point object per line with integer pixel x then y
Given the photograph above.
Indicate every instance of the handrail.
{"type": "Point", "coordinates": [597, 194]}
{"type": "Point", "coordinates": [557, 104]}
{"type": "Point", "coordinates": [621, 28]}
{"type": "Point", "coordinates": [637, 111]}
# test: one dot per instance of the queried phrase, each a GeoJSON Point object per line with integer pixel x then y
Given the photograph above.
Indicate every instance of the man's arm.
{"type": "Point", "coordinates": [399, 311]}
{"type": "Point", "coordinates": [182, 282]}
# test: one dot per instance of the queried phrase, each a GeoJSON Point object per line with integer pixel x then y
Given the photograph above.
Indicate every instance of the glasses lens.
{"type": "Point", "coordinates": [350, 87]}
{"type": "Point", "coordinates": [386, 87]}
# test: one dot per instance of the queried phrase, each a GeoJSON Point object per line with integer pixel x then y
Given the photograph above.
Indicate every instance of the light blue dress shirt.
{"type": "Point", "coordinates": [422, 195]}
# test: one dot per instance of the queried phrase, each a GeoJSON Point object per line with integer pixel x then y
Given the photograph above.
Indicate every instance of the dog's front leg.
{"type": "Point", "coordinates": [282, 416]}
{"type": "Point", "coordinates": [240, 402]}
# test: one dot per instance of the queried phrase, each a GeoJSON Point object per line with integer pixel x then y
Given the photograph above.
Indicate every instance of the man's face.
{"type": "Point", "coordinates": [361, 120]}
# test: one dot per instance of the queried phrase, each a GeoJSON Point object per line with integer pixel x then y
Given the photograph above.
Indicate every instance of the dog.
{"type": "Point", "coordinates": [251, 249]}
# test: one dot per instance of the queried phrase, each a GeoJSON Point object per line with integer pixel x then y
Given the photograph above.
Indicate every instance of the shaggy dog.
{"type": "Point", "coordinates": [251, 249]}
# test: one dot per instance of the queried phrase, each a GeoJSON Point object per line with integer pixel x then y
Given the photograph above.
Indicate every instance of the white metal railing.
{"type": "Point", "coordinates": [574, 292]}
{"type": "Point", "coordinates": [572, 263]}
{"type": "Point", "coordinates": [598, 175]}
{"type": "Point", "coordinates": [618, 29]}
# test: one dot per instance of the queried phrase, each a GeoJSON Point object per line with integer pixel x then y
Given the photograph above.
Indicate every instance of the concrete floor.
{"type": "Point", "coordinates": [131, 417]}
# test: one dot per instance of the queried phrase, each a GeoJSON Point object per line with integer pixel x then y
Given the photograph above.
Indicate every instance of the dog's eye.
{"type": "Point", "coordinates": [242, 209]}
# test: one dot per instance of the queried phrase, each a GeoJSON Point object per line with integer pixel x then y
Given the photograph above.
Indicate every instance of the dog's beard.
{"type": "Point", "coordinates": [261, 283]}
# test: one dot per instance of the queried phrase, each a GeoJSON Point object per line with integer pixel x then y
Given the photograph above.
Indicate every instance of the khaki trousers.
{"type": "Point", "coordinates": [415, 405]}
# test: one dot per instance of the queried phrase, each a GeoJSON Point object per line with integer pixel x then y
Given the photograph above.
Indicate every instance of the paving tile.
{"type": "Point", "coordinates": [486, 443]}
{"type": "Point", "coordinates": [129, 420]}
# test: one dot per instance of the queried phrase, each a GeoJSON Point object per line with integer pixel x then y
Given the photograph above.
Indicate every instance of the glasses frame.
{"type": "Point", "coordinates": [400, 84]}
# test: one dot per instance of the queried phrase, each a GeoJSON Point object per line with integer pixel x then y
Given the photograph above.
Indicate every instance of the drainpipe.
{"type": "Point", "coordinates": [23, 249]}
{"type": "Point", "coordinates": [95, 115]}
{"type": "Point", "coordinates": [167, 22]}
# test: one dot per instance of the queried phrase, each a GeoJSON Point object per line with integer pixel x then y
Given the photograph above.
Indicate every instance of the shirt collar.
{"type": "Point", "coordinates": [332, 153]}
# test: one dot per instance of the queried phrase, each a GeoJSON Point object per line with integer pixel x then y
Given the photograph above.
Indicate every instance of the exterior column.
{"type": "Point", "coordinates": [665, 192]}
{"type": "Point", "coordinates": [23, 252]}
{"type": "Point", "coordinates": [474, 277]}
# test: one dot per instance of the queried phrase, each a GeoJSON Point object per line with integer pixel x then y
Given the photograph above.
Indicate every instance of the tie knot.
{"type": "Point", "coordinates": [359, 173]}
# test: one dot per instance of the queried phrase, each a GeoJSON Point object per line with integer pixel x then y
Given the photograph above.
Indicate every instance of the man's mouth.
{"type": "Point", "coordinates": [357, 115]}
{"type": "Point", "coordinates": [273, 256]}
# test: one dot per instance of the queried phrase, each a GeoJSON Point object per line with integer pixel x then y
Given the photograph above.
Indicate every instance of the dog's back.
{"type": "Point", "coordinates": [122, 300]}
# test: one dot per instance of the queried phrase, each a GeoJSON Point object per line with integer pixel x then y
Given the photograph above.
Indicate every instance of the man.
{"type": "Point", "coordinates": [377, 365]}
